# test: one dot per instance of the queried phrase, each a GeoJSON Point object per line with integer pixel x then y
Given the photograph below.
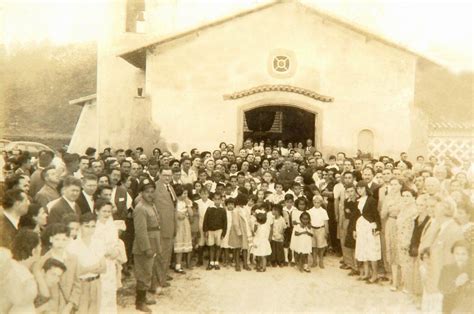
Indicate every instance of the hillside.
{"type": "Point", "coordinates": [39, 80]}
{"type": "Point", "coordinates": [443, 95]}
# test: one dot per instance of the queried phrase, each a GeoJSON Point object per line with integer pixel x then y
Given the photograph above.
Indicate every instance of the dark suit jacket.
{"type": "Point", "coordinates": [374, 188]}
{"type": "Point", "coordinates": [46, 195]}
{"type": "Point", "coordinates": [61, 209]}
{"type": "Point", "coordinates": [83, 204]}
{"type": "Point", "coordinates": [36, 183]}
{"type": "Point", "coordinates": [134, 188]}
{"type": "Point", "coordinates": [7, 232]}
{"type": "Point", "coordinates": [371, 213]}
{"type": "Point", "coordinates": [166, 210]}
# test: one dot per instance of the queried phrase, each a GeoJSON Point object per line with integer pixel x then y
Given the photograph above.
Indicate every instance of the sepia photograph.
{"type": "Point", "coordinates": [236, 156]}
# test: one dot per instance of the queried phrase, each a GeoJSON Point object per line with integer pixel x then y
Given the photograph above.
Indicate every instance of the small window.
{"type": "Point", "coordinates": [135, 22]}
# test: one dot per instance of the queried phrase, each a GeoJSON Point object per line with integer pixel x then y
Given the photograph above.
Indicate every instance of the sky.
{"type": "Point", "coordinates": [440, 30]}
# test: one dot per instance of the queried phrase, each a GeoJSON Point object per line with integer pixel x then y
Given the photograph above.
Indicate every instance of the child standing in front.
{"type": "Point", "coordinates": [287, 210]}
{"type": "Point", "coordinates": [229, 206]}
{"type": "Point", "coordinates": [301, 207]}
{"type": "Point", "coordinates": [261, 244]}
{"type": "Point", "coordinates": [215, 228]}
{"type": "Point", "coordinates": [278, 234]}
{"type": "Point", "coordinates": [320, 226]}
{"type": "Point", "coordinates": [301, 242]}
{"type": "Point", "coordinates": [203, 204]}
{"type": "Point", "coordinates": [183, 240]}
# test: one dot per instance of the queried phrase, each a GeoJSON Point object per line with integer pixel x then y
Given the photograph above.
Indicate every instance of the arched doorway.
{"type": "Point", "coordinates": [275, 122]}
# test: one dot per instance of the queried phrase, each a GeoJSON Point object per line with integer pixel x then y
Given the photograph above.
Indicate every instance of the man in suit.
{"type": "Point", "coordinates": [45, 158]}
{"type": "Point", "coordinates": [368, 175]}
{"type": "Point", "coordinates": [67, 203]}
{"type": "Point", "coordinates": [86, 198]}
{"type": "Point", "coordinates": [146, 244]}
{"type": "Point", "coordinates": [165, 202]}
{"type": "Point", "coordinates": [15, 204]}
{"type": "Point", "coordinates": [309, 146]}
{"type": "Point", "coordinates": [48, 192]}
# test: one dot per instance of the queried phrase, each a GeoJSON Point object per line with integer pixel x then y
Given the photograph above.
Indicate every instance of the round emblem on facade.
{"type": "Point", "coordinates": [281, 63]}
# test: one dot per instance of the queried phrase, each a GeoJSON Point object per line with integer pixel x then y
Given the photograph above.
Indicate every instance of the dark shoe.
{"type": "Point", "coordinates": [371, 281]}
{"type": "Point", "coordinates": [246, 267]}
{"type": "Point", "coordinates": [165, 285]}
{"type": "Point", "coordinates": [210, 267]}
{"type": "Point", "coordinates": [237, 268]}
{"type": "Point", "coordinates": [199, 264]}
{"type": "Point", "coordinates": [321, 264]}
{"type": "Point", "coordinates": [281, 265]}
{"type": "Point", "coordinates": [307, 270]}
{"type": "Point", "coordinates": [285, 264]}
{"type": "Point", "coordinates": [217, 267]}
{"type": "Point", "coordinates": [169, 278]}
{"type": "Point", "coordinates": [142, 308]}
{"type": "Point", "coordinates": [384, 278]}
{"type": "Point", "coordinates": [344, 266]}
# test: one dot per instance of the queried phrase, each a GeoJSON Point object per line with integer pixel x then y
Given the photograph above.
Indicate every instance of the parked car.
{"type": "Point", "coordinates": [3, 143]}
{"type": "Point", "coordinates": [33, 147]}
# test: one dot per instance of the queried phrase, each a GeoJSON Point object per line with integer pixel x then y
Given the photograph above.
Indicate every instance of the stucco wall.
{"type": "Point", "coordinates": [373, 84]}
{"type": "Point", "coordinates": [85, 133]}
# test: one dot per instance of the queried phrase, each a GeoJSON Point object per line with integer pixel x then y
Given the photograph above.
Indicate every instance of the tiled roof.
{"type": "Point", "coordinates": [279, 88]}
{"type": "Point", "coordinates": [451, 125]}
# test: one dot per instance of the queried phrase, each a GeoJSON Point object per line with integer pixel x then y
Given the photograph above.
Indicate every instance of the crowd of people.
{"type": "Point", "coordinates": [73, 226]}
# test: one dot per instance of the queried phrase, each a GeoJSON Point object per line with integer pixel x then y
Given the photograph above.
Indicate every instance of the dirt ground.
{"type": "Point", "coordinates": [327, 290]}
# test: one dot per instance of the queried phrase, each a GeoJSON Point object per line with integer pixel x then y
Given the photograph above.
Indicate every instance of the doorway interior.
{"type": "Point", "coordinates": [275, 122]}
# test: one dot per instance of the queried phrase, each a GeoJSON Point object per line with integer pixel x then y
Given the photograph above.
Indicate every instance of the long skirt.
{"type": "Point", "coordinates": [367, 244]}
{"type": "Point", "coordinates": [108, 291]}
{"type": "Point", "coordinates": [391, 242]}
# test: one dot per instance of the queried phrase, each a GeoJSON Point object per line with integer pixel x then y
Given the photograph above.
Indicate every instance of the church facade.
{"type": "Point", "coordinates": [279, 71]}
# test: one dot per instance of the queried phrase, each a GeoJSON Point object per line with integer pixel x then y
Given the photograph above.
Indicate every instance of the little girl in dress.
{"type": "Point", "coordinates": [301, 241]}
{"type": "Point", "coordinates": [183, 239]}
{"type": "Point", "coordinates": [261, 243]}
{"type": "Point", "coordinates": [229, 208]}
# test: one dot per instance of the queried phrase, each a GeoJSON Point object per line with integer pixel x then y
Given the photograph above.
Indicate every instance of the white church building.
{"type": "Point", "coordinates": [282, 70]}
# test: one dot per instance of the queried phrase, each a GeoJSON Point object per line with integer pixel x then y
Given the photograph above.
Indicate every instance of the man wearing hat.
{"type": "Point", "coordinates": [146, 245]}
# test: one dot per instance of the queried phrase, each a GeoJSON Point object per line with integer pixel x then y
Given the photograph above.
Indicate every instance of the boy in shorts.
{"type": "Point", "coordinates": [214, 227]}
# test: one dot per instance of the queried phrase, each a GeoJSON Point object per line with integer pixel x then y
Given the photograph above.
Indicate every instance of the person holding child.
{"type": "Point", "coordinates": [115, 255]}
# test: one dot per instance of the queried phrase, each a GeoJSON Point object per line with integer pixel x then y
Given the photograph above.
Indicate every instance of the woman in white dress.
{"type": "Point", "coordinates": [367, 234]}
{"type": "Point", "coordinates": [107, 232]}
